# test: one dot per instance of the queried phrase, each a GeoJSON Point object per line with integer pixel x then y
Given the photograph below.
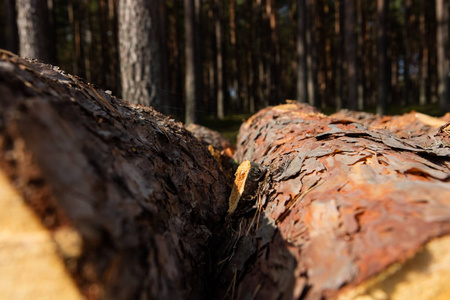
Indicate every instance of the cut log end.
{"type": "Point", "coordinates": [31, 265]}
{"type": "Point", "coordinates": [246, 183]}
{"type": "Point", "coordinates": [424, 277]}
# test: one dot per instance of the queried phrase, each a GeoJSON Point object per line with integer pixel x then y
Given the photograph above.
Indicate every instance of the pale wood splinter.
{"type": "Point", "coordinates": [248, 176]}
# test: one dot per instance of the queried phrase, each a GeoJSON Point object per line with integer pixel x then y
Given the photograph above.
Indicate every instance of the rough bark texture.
{"type": "Point", "coordinates": [190, 81]}
{"type": "Point", "coordinates": [410, 125]}
{"type": "Point", "coordinates": [442, 49]}
{"type": "Point", "coordinates": [139, 195]}
{"type": "Point", "coordinates": [139, 51]}
{"type": "Point", "coordinates": [221, 148]}
{"type": "Point", "coordinates": [32, 22]}
{"type": "Point", "coordinates": [339, 204]}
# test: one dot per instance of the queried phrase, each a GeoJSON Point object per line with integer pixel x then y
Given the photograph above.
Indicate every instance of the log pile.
{"type": "Point", "coordinates": [344, 212]}
{"type": "Point", "coordinates": [119, 196]}
{"type": "Point", "coordinates": [102, 199]}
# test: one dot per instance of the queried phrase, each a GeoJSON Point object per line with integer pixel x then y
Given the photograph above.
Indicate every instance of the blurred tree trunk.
{"type": "Point", "coordinates": [11, 34]}
{"type": "Point", "coordinates": [383, 76]}
{"type": "Point", "coordinates": [234, 56]}
{"type": "Point", "coordinates": [75, 16]}
{"type": "Point", "coordinates": [105, 45]}
{"type": "Point", "coordinates": [114, 63]}
{"type": "Point", "coordinates": [320, 56]}
{"type": "Point", "coordinates": [212, 60]}
{"type": "Point", "coordinates": [350, 54]}
{"type": "Point", "coordinates": [310, 48]}
{"type": "Point", "coordinates": [408, 52]}
{"type": "Point", "coordinates": [274, 65]}
{"type": "Point", "coordinates": [361, 69]}
{"type": "Point", "coordinates": [249, 70]}
{"type": "Point", "coordinates": [302, 87]}
{"type": "Point", "coordinates": [190, 52]}
{"type": "Point", "coordinates": [33, 28]}
{"type": "Point", "coordinates": [442, 47]}
{"type": "Point", "coordinates": [339, 68]}
{"type": "Point", "coordinates": [198, 54]}
{"type": "Point", "coordinates": [424, 93]}
{"type": "Point", "coordinates": [139, 48]}
{"type": "Point", "coordinates": [219, 58]}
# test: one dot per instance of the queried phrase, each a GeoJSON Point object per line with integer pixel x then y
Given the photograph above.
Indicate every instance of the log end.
{"type": "Point", "coordinates": [424, 277]}
{"type": "Point", "coordinates": [30, 262]}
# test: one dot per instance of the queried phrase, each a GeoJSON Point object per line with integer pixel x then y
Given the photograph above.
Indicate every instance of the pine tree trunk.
{"type": "Point", "coordinates": [219, 59]}
{"type": "Point", "coordinates": [442, 48]}
{"type": "Point", "coordinates": [350, 54]}
{"type": "Point", "coordinates": [383, 67]}
{"type": "Point", "coordinates": [190, 79]}
{"type": "Point", "coordinates": [139, 49]}
{"type": "Point", "coordinates": [32, 23]}
{"type": "Point", "coordinates": [11, 31]}
{"type": "Point", "coordinates": [302, 87]}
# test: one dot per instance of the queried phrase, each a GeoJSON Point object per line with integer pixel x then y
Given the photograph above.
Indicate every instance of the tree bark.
{"type": "Point", "coordinates": [219, 58]}
{"type": "Point", "coordinates": [350, 54]}
{"type": "Point", "coordinates": [311, 78]}
{"type": "Point", "coordinates": [339, 205]}
{"type": "Point", "coordinates": [424, 94]}
{"type": "Point", "coordinates": [11, 31]}
{"type": "Point", "coordinates": [442, 48]}
{"type": "Point", "coordinates": [139, 49]}
{"type": "Point", "coordinates": [383, 67]}
{"type": "Point", "coordinates": [120, 197]}
{"type": "Point", "coordinates": [190, 53]}
{"type": "Point", "coordinates": [32, 23]}
{"type": "Point", "coordinates": [302, 87]}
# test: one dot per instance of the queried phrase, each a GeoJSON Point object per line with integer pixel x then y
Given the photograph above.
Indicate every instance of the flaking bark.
{"type": "Point", "coordinates": [341, 204]}
{"type": "Point", "coordinates": [139, 193]}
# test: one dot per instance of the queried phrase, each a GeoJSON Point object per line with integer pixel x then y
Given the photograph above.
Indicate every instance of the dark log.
{"type": "Point", "coordinates": [344, 212]}
{"type": "Point", "coordinates": [220, 148]}
{"type": "Point", "coordinates": [213, 138]}
{"type": "Point", "coordinates": [120, 197]}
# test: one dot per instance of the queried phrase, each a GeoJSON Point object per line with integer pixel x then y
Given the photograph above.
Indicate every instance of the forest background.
{"type": "Point", "coordinates": [206, 60]}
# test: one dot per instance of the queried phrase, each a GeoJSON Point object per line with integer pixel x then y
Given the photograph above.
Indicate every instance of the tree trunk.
{"type": "Point", "coordinates": [350, 54]}
{"type": "Point", "coordinates": [408, 53]}
{"type": "Point", "coordinates": [32, 23]}
{"type": "Point", "coordinates": [442, 47]}
{"type": "Point", "coordinates": [11, 31]}
{"type": "Point", "coordinates": [383, 67]}
{"type": "Point", "coordinates": [339, 66]}
{"type": "Point", "coordinates": [234, 57]}
{"type": "Point", "coordinates": [100, 198]}
{"type": "Point", "coordinates": [302, 87]}
{"type": "Point", "coordinates": [190, 79]}
{"type": "Point", "coordinates": [139, 49]}
{"type": "Point", "coordinates": [335, 206]}
{"type": "Point", "coordinates": [424, 93]}
{"type": "Point", "coordinates": [310, 46]}
{"type": "Point", "coordinates": [219, 58]}
{"type": "Point", "coordinates": [361, 69]}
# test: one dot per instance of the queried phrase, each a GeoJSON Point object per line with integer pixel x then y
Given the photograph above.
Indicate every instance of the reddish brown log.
{"type": "Point", "coordinates": [121, 197]}
{"type": "Point", "coordinates": [340, 205]}
{"type": "Point", "coordinates": [406, 125]}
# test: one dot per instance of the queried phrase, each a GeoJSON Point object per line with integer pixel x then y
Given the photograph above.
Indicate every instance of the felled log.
{"type": "Point", "coordinates": [220, 147]}
{"type": "Point", "coordinates": [343, 212]}
{"type": "Point", "coordinates": [405, 126]}
{"type": "Point", "coordinates": [100, 199]}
